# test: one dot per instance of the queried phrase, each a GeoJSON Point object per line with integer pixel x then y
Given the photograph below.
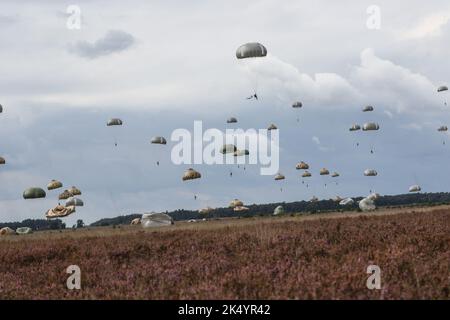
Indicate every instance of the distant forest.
{"type": "Point", "coordinates": [427, 199]}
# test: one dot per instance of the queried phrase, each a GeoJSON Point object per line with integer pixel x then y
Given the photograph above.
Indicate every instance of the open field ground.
{"type": "Point", "coordinates": [302, 257]}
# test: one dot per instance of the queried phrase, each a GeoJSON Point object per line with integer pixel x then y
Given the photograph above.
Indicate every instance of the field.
{"type": "Point", "coordinates": [302, 257]}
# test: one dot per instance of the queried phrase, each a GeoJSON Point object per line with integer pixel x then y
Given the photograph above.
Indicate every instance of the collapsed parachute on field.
{"type": "Point", "coordinates": [34, 193]}
{"type": "Point", "coordinates": [302, 166]}
{"type": "Point", "coordinates": [158, 140]}
{"type": "Point", "coordinates": [24, 230]}
{"type": "Point", "coordinates": [279, 176]}
{"type": "Point", "coordinates": [236, 203]}
{"type": "Point", "coordinates": [6, 231]}
{"type": "Point", "coordinates": [59, 212]}
{"type": "Point", "coordinates": [368, 203]}
{"type": "Point", "coordinates": [251, 50]}
{"type": "Point", "coordinates": [191, 174]}
{"type": "Point", "coordinates": [442, 88]}
{"type": "Point", "coordinates": [240, 209]}
{"type": "Point", "coordinates": [272, 127]}
{"type": "Point", "coordinates": [355, 127]}
{"type": "Point", "coordinates": [232, 120]}
{"type": "Point", "coordinates": [75, 202]}
{"type": "Point", "coordinates": [442, 128]}
{"type": "Point", "coordinates": [324, 172]}
{"type": "Point", "coordinates": [415, 188]}
{"type": "Point", "coordinates": [228, 148]}
{"type": "Point", "coordinates": [367, 109]}
{"type": "Point", "coordinates": [306, 174]}
{"type": "Point", "coordinates": [240, 153]}
{"type": "Point", "coordinates": [278, 210]}
{"type": "Point", "coordinates": [135, 221]}
{"type": "Point", "coordinates": [54, 184]}
{"type": "Point", "coordinates": [74, 191]}
{"type": "Point", "coordinates": [370, 126]}
{"type": "Point", "coordinates": [370, 173]}
{"type": "Point", "coordinates": [2, 160]}
{"type": "Point", "coordinates": [153, 219]}
{"type": "Point", "coordinates": [346, 202]}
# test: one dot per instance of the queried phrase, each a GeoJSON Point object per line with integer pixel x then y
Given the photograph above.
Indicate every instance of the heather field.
{"type": "Point", "coordinates": [303, 257]}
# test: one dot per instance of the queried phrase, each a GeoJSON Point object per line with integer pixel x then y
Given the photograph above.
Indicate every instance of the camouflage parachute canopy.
{"type": "Point", "coordinates": [2, 160]}
{"type": "Point", "coordinates": [278, 210]}
{"type": "Point", "coordinates": [367, 108]}
{"type": "Point", "coordinates": [54, 184]}
{"type": "Point", "coordinates": [355, 127]}
{"type": "Point", "coordinates": [279, 176]}
{"type": "Point", "coordinates": [158, 140]}
{"type": "Point", "coordinates": [236, 203]}
{"type": "Point", "coordinates": [64, 195]}
{"type": "Point", "coordinates": [191, 174]}
{"type": "Point", "coordinates": [34, 193]}
{"type": "Point", "coordinates": [114, 122]}
{"type": "Point", "coordinates": [74, 191]}
{"type": "Point", "coordinates": [306, 174]}
{"type": "Point", "coordinates": [297, 104]}
{"type": "Point", "coordinates": [415, 188]}
{"type": "Point", "coordinates": [75, 202]}
{"type": "Point", "coordinates": [240, 153]}
{"type": "Point", "coordinates": [272, 127]}
{"type": "Point", "coordinates": [324, 172]}
{"type": "Point", "coordinates": [59, 212]}
{"type": "Point", "coordinates": [370, 173]}
{"type": "Point", "coordinates": [442, 128]}
{"type": "Point", "coordinates": [369, 126]}
{"type": "Point", "coordinates": [232, 120]}
{"type": "Point", "coordinates": [302, 166]}
{"type": "Point", "coordinates": [228, 148]}
{"type": "Point", "coordinates": [251, 50]}
{"type": "Point", "coordinates": [335, 174]}
{"type": "Point", "coordinates": [442, 88]}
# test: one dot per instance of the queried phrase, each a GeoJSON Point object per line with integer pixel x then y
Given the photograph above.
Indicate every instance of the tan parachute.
{"type": "Point", "coordinates": [302, 166]}
{"type": "Point", "coordinates": [54, 184]}
{"type": "Point", "coordinates": [191, 174]}
{"type": "Point", "coordinates": [59, 212]}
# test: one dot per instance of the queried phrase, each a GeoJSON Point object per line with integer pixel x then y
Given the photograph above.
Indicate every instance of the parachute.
{"type": "Point", "coordinates": [24, 230]}
{"type": "Point", "coordinates": [240, 209]}
{"type": "Point", "coordinates": [236, 203]}
{"type": "Point", "coordinates": [415, 188]}
{"type": "Point", "coordinates": [370, 126]}
{"type": "Point", "coordinates": [442, 128]}
{"type": "Point", "coordinates": [153, 219]}
{"type": "Point", "coordinates": [335, 174]}
{"type": "Point", "coordinates": [114, 122]}
{"type": "Point", "coordinates": [346, 202]}
{"type": "Point", "coordinates": [74, 191]}
{"type": "Point", "coordinates": [278, 210]}
{"type": "Point", "coordinates": [324, 172]}
{"type": "Point", "coordinates": [232, 120]}
{"type": "Point", "coordinates": [59, 212]}
{"type": "Point", "coordinates": [370, 173]}
{"type": "Point", "coordinates": [355, 127]}
{"type": "Point", "coordinates": [442, 88]}
{"type": "Point", "coordinates": [75, 202]}
{"type": "Point", "coordinates": [279, 177]}
{"type": "Point", "coordinates": [272, 127]}
{"type": "Point", "coordinates": [1, 108]}
{"type": "Point", "coordinates": [368, 203]}
{"type": "Point", "coordinates": [297, 104]}
{"type": "Point", "coordinates": [191, 174]}
{"type": "Point", "coordinates": [2, 160]}
{"type": "Point", "coordinates": [306, 174]}
{"type": "Point", "coordinates": [240, 153]}
{"type": "Point", "coordinates": [135, 221]}
{"type": "Point", "coordinates": [6, 231]}
{"type": "Point", "coordinates": [228, 148]}
{"type": "Point", "coordinates": [34, 193]}
{"type": "Point", "coordinates": [158, 140]}
{"type": "Point", "coordinates": [367, 109]}
{"type": "Point", "coordinates": [302, 166]}
{"type": "Point", "coordinates": [64, 195]}
{"type": "Point", "coordinates": [54, 184]}
{"type": "Point", "coordinates": [251, 50]}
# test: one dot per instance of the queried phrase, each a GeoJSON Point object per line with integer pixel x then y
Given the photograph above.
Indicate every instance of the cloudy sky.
{"type": "Point", "coordinates": [161, 65]}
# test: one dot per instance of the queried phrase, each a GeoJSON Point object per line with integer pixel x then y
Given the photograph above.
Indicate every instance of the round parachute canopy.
{"type": "Point", "coordinates": [442, 128]}
{"type": "Point", "coordinates": [2, 160]}
{"type": "Point", "coordinates": [205, 211]}
{"type": "Point", "coordinates": [324, 172]}
{"type": "Point", "coordinates": [153, 219]}
{"type": "Point", "coordinates": [369, 126]}
{"type": "Point", "coordinates": [355, 127]}
{"type": "Point", "coordinates": [279, 177]}
{"type": "Point", "coordinates": [272, 127]}
{"type": "Point", "coordinates": [236, 203]}
{"type": "Point", "coordinates": [159, 140]}
{"type": "Point", "coordinates": [442, 88]}
{"type": "Point", "coordinates": [191, 174]}
{"type": "Point", "coordinates": [231, 120]}
{"type": "Point", "coordinates": [278, 210]}
{"type": "Point", "coordinates": [24, 230]}
{"type": "Point", "coordinates": [6, 231]}
{"type": "Point", "coordinates": [346, 202]}
{"type": "Point", "coordinates": [370, 173]}
{"type": "Point", "coordinates": [54, 184]}
{"type": "Point", "coordinates": [228, 148]}
{"type": "Point", "coordinates": [302, 166]}
{"type": "Point", "coordinates": [74, 191]}
{"type": "Point", "coordinates": [367, 109]}
{"type": "Point", "coordinates": [314, 199]}
{"type": "Point", "coordinates": [415, 188]}
{"type": "Point", "coordinates": [251, 50]}
{"type": "Point", "coordinates": [306, 174]}
{"type": "Point", "coordinates": [297, 104]}
{"type": "Point", "coordinates": [64, 195]}
{"type": "Point", "coordinates": [367, 204]}
{"type": "Point", "coordinates": [75, 202]}
{"type": "Point", "coordinates": [114, 122]}
{"type": "Point", "coordinates": [135, 221]}
{"type": "Point", "coordinates": [59, 212]}
{"type": "Point", "coordinates": [240, 153]}
{"type": "Point", "coordinates": [335, 174]}
{"type": "Point", "coordinates": [240, 209]}
{"type": "Point", "coordinates": [34, 193]}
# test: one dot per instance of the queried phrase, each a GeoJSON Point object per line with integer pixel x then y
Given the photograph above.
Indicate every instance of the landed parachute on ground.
{"type": "Point", "coordinates": [279, 176]}
{"type": "Point", "coordinates": [415, 188]}
{"type": "Point", "coordinates": [158, 140]}
{"type": "Point", "coordinates": [232, 120]}
{"type": "Point", "coordinates": [368, 203]}
{"type": "Point", "coordinates": [355, 127]}
{"type": "Point", "coordinates": [60, 212]}
{"type": "Point", "coordinates": [346, 202]}
{"type": "Point", "coordinates": [236, 203]}
{"type": "Point", "coordinates": [306, 174]}
{"type": "Point", "coordinates": [76, 202]}
{"type": "Point", "coordinates": [34, 193]}
{"type": "Point", "coordinates": [251, 50]}
{"type": "Point", "coordinates": [54, 184]}
{"type": "Point", "coordinates": [370, 173]}
{"type": "Point", "coordinates": [367, 109]}
{"type": "Point", "coordinates": [370, 126]}
{"type": "Point", "coordinates": [240, 209]}
{"type": "Point", "coordinates": [324, 172]}
{"type": "Point", "coordinates": [442, 88]}
{"type": "Point", "coordinates": [153, 219]}
{"type": "Point", "coordinates": [6, 231]}
{"type": "Point", "coordinates": [228, 148]}
{"type": "Point", "coordinates": [278, 210]}
{"type": "Point", "coordinates": [302, 166]}
{"type": "Point", "coordinates": [135, 221]}
{"type": "Point", "coordinates": [24, 230]}
{"type": "Point", "coordinates": [191, 174]}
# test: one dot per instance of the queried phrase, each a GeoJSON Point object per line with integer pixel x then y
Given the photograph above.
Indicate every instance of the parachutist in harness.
{"type": "Point", "coordinates": [195, 197]}
{"type": "Point", "coordinates": [115, 144]}
{"type": "Point", "coordinates": [157, 163]}
{"type": "Point", "coordinates": [231, 173]}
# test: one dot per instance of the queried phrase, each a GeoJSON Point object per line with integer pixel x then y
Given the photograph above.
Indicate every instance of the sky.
{"type": "Point", "coordinates": [161, 65]}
